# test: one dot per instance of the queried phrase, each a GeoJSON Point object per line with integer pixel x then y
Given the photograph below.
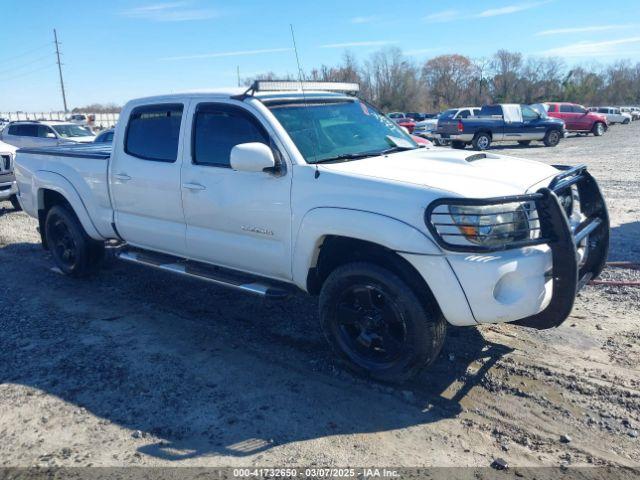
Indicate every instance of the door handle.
{"type": "Point", "coordinates": [122, 176]}
{"type": "Point", "coordinates": [194, 186]}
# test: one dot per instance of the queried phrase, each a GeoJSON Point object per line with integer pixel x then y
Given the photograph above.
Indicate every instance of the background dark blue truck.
{"type": "Point", "coordinates": [502, 123]}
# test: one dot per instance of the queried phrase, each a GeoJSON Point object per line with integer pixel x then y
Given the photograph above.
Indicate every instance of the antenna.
{"type": "Point", "coordinates": [64, 96]}
{"type": "Point", "coordinates": [304, 98]}
{"type": "Point", "coordinates": [238, 72]}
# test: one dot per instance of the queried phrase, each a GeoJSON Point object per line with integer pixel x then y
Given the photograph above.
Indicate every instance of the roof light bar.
{"type": "Point", "coordinates": [281, 86]}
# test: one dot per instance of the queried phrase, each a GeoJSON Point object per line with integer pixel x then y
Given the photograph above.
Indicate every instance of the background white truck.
{"type": "Point", "coordinates": [275, 190]}
{"type": "Point", "coordinates": [8, 186]}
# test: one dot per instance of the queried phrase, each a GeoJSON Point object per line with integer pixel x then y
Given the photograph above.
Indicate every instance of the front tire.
{"type": "Point", "coordinates": [377, 325]}
{"type": "Point", "coordinates": [598, 129]}
{"type": "Point", "coordinates": [626, 121]}
{"type": "Point", "coordinates": [15, 203]}
{"type": "Point", "coordinates": [482, 141]}
{"type": "Point", "coordinates": [73, 251]}
{"type": "Point", "coordinates": [552, 138]}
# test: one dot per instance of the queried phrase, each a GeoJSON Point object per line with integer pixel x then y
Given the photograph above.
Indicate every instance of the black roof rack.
{"type": "Point", "coordinates": [292, 85]}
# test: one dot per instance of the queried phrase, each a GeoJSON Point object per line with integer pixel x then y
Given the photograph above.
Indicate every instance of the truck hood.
{"type": "Point", "coordinates": [466, 174]}
{"type": "Point", "coordinates": [6, 148]}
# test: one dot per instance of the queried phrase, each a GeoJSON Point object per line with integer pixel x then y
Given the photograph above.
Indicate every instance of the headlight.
{"type": "Point", "coordinates": [485, 225]}
{"type": "Point", "coordinates": [493, 224]}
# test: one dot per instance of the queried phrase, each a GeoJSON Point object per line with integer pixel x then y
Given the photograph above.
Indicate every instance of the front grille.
{"type": "Point", "coordinates": [5, 163]}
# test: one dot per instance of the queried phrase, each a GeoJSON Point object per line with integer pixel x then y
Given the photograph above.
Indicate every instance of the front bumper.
{"type": "Point", "coordinates": [8, 189]}
{"type": "Point", "coordinates": [533, 282]}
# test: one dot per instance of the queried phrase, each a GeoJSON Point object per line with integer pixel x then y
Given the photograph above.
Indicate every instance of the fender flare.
{"type": "Point", "coordinates": [47, 180]}
{"type": "Point", "coordinates": [383, 230]}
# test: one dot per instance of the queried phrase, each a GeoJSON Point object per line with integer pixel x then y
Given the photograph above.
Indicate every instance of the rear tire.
{"type": "Point", "coordinates": [552, 138]}
{"type": "Point", "coordinates": [524, 143]}
{"type": "Point", "coordinates": [482, 141]}
{"type": "Point", "coordinates": [458, 145]}
{"type": "Point", "coordinates": [377, 325]}
{"type": "Point", "coordinates": [598, 129]}
{"type": "Point", "coordinates": [73, 251]}
{"type": "Point", "coordinates": [15, 203]}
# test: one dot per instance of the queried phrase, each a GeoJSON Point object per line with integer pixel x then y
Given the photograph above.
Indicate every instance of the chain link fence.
{"type": "Point", "coordinates": [96, 120]}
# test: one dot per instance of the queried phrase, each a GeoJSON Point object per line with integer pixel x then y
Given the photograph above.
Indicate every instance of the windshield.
{"type": "Point", "coordinates": [332, 129]}
{"type": "Point", "coordinates": [70, 131]}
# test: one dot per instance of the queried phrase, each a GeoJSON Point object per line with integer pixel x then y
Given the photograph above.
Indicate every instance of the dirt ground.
{"type": "Point", "coordinates": [136, 367]}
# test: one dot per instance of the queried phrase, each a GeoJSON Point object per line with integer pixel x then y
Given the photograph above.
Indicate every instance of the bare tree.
{"type": "Point", "coordinates": [450, 79]}
{"type": "Point", "coordinates": [507, 70]}
{"type": "Point", "coordinates": [394, 82]}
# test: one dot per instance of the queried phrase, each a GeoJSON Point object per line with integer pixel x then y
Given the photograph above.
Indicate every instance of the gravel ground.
{"type": "Point", "coordinates": [136, 367]}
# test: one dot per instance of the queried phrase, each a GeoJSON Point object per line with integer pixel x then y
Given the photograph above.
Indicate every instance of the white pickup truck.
{"type": "Point", "coordinates": [8, 186]}
{"type": "Point", "coordinates": [280, 189]}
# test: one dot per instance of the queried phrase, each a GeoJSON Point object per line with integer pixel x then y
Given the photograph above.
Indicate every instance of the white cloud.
{"type": "Point", "coordinates": [361, 20]}
{"type": "Point", "coordinates": [237, 53]}
{"type": "Point", "coordinates": [453, 15]}
{"type": "Point", "coordinates": [592, 28]}
{"type": "Point", "coordinates": [509, 9]}
{"type": "Point", "coordinates": [373, 43]}
{"type": "Point", "coordinates": [592, 49]}
{"type": "Point", "coordinates": [444, 16]}
{"type": "Point", "coordinates": [171, 12]}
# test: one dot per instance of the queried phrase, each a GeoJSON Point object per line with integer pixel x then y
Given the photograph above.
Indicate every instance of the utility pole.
{"type": "Point", "coordinates": [64, 96]}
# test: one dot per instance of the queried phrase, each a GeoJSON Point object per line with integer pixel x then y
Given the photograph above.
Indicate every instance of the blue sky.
{"type": "Point", "coordinates": [117, 50]}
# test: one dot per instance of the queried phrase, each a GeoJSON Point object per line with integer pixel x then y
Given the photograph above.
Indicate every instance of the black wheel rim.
{"type": "Point", "coordinates": [62, 243]}
{"type": "Point", "coordinates": [370, 326]}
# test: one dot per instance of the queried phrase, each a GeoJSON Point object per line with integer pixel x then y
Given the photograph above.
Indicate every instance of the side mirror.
{"type": "Point", "coordinates": [252, 157]}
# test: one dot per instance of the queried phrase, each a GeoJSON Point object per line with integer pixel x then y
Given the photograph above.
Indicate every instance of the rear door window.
{"type": "Point", "coordinates": [153, 132]}
{"type": "Point", "coordinates": [566, 108]}
{"type": "Point", "coordinates": [491, 110]}
{"type": "Point", "coordinates": [24, 130]}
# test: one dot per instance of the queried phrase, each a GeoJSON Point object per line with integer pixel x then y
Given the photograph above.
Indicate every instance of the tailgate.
{"type": "Point", "coordinates": [447, 127]}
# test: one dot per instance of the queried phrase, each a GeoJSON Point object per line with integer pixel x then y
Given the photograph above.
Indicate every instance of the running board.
{"type": "Point", "coordinates": [216, 275]}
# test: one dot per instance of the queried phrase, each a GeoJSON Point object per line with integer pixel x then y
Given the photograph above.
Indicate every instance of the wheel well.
{"type": "Point", "coordinates": [488, 132]}
{"type": "Point", "coordinates": [336, 251]}
{"type": "Point", "coordinates": [47, 200]}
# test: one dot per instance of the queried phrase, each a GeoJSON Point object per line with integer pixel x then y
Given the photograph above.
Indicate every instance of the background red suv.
{"type": "Point", "coordinates": [577, 118]}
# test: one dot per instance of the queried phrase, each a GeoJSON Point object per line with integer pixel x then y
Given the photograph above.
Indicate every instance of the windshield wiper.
{"type": "Point", "coordinates": [395, 149]}
{"type": "Point", "coordinates": [357, 156]}
{"type": "Point", "coordinates": [348, 156]}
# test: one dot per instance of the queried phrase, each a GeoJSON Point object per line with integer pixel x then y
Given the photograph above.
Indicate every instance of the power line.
{"type": "Point", "coordinates": [28, 73]}
{"type": "Point", "coordinates": [18, 67]}
{"type": "Point", "coordinates": [23, 54]}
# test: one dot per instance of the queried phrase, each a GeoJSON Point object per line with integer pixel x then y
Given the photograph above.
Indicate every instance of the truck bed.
{"type": "Point", "coordinates": [471, 125]}
{"type": "Point", "coordinates": [83, 171]}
